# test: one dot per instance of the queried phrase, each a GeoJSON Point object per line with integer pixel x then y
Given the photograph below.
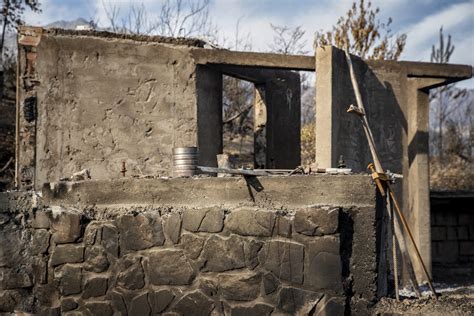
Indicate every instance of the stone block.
{"type": "Point", "coordinates": [117, 302]}
{"type": "Point", "coordinates": [240, 286]}
{"type": "Point", "coordinates": [323, 265]}
{"type": "Point", "coordinates": [69, 253]}
{"type": "Point", "coordinates": [139, 305]}
{"type": "Point", "coordinates": [192, 245]}
{"type": "Point", "coordinates": [66, 226]}
{"type": "Point", "coordinates": [99, 308]}
{"type": "Point", "coordinates": [95, 286]}
{"type": "Point", "coordinates": [160, 300]}
{"type": "Point", "coordinates": [41, 219]}
{"type": "Point", "coordinates": [255, 310]}
{"type": "Point", "coordinates": [251, 222]}
{"type": "Point", "coordinates": [14, 279]}
{"type": "Point", "coordinates": [95, 259]}
{"type": "Point", "coordinates": [140, 232]}
{"type": "Point", "coordinates": [270, 283]}
{"type": "Point", "coordinates": [10, 299]}
{"type": "Point", "coordinates": [39, 267]}
{"type": "Point", "coordinates": [448, 251]}
{"type": "Point", "coordinates": [451, 233]}
{"type": "Point", "coordinates": [210, 220]}
{"type": "Point", "coordinates": [251, 249]}
{"type": "Point", "coordinates": [284, 259]}
{"type": "Point", "coordinates": [463, 232]}
{"type": "Point", "coordinates": [131, 275]}
{"type": "Point", "coordinates": [70, 279]}
{"type": "Point", "coordinates": [168, 267]}
{"type": "Point", "coordinates": [110, 240]}
{"type": "Point", "coordinates": [438, 233]}
{"type": "Point", "coordinates": [223, 254]}
{"type": "Point", "coordinates": [196, 302]}
{"type": "Point", "coordinates": [283, 226]}
{"type": "Point", "coordinates": [68, 304]}
{"type": "Point", "coordinates": [316, 221]}
{"type": "Point", "coordinates": [46, 294]}
{"type": "Point", "coordinates": [466, 248]}
{"type": "Point", "coordinates": [297, 301]}
{"type": "Point", "coordinates": [92, 233]}
{"type": "Point", "coordinates": [39, 241]}
{"type": "Point", "coordinates": [172, 227]}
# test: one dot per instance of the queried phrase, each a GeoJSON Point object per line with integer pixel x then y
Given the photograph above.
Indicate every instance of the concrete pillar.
{"type": "Point", "coordinates": [209, 114]}
{"type": "Point", "coordinates": [283, 128]}
{"type": "Point", "coordinates": [396, 100]}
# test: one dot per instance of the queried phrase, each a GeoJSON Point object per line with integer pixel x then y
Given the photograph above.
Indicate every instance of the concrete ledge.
{"type": "Point", "coordinates": [280, 192]}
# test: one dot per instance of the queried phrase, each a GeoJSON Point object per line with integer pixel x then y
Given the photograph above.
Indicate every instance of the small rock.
{"type": "Point", "coordinates": [284, 259]}
{"type": "Point", "coordinates": [68, 253]}
{"type": "Point", "coordinates": [168, 267]}
{"type": "Point", "coordinates": [160, 300]}
{"type": "Point", "coordinates": [139, 305]}
{"type": "Point", "coordinates": [194, 303]}
{"type": "Point", "coordinates": [270, 283]}
{"type": "Point", "coordinates": [192, 245]}
{"type": "Point", "coordinates": [66, 226]}
{"type": "Point", "coordinates": [95, 286]}
{"type": "Point", "coordinates": [40, 241]}
{"type": "Point", "coordinates": [251, 222]}
{"type": "Point", "coordinates": [68, 304]}
{"type": "Point", "coordinates": [172, 227]}
{"type": "Point", "coordinates": [251, 249]}
{"type": "Point", "coordinates": [110, 240]}
{"type": "Point", "coordinates": [140, 232]}
{"type": "Point", "coordinates": [70, 279]}
{"type": "Point", "coordinates": [96, 259]}
{"type": "Point", "coordinates": [223, 254]}
{"type": "Point", "coordinates": [131, 275]}
{"type": "Point", "coordinates": [316, 221]}
{"type": "Point", "coordinates": [241, 286]}
{"type": "Point", "coordinates": [209, 220]}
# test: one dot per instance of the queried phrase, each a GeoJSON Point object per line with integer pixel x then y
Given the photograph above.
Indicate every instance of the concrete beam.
{"type": "Point", "coordinates": [266, 60]}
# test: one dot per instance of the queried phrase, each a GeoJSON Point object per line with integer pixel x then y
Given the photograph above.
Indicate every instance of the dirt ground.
{"type": "Point", "coordinates": [454, 299]}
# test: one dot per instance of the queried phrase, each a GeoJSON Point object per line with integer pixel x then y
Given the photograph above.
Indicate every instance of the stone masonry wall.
{"type": "Point", "coordinates": [220, 260]}
{"type": "Point", "coordinates": [244, 261]}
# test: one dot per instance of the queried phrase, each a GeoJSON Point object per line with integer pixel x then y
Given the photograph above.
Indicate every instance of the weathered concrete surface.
{"type": "Point", "coordinates": [294, 191]}
{"type": "Point", "coordinates": [103, 100]}
{"type": "Point", "coordinates": [169, 254]}
{"type": "Point", "coordinates": [395, 96]}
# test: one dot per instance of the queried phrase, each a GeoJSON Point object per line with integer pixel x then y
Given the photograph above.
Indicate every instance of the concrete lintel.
{"type": "Point", "coordinates": [449, 72]}
{"type": "Point", "coordinates": [265, 60]}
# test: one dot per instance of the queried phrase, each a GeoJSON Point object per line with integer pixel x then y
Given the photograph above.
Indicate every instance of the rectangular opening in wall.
{"type": "Point", "coordinates": [238, 121]}
{"type": "Point", "coordinates": [308, 117]}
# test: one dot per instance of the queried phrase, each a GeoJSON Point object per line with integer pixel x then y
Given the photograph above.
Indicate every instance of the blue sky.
{"type": "Point", "coordinates": [419, 19]}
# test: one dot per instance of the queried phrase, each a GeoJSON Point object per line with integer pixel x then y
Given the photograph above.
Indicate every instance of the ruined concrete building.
{"type": "Point", "coordinates": [233, 246]}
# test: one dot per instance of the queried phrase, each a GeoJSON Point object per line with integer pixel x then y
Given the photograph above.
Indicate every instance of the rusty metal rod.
{"type": "Point", "coordinates": [376, 168]}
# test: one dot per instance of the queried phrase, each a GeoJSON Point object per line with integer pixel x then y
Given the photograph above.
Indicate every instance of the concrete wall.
{"type": "Point", "coordinates": [104, 100]}
{"type": "Point", "coordinates": [196, 249]}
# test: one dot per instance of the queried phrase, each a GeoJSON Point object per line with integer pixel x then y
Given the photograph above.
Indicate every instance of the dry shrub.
{"type": "Point", "coordinates": [308, 143]}
{"type": "Point", "coordinates": [453, 174]}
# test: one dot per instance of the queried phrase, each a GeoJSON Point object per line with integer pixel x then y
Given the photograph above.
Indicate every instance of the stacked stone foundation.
{"type": "Point", "coordinates": [151, 259]}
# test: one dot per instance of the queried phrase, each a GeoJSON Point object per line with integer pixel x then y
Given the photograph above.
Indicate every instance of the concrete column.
{"type": "Point", "coordinates": [209, 114]}
{"type": "Point", "coordinates": [283, 128]}
{"type": "Point", "coordinates": [259, 123]}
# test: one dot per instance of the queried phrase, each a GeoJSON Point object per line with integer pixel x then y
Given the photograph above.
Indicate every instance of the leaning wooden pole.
{"type": "Point", "coordinates": [378, 173]}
